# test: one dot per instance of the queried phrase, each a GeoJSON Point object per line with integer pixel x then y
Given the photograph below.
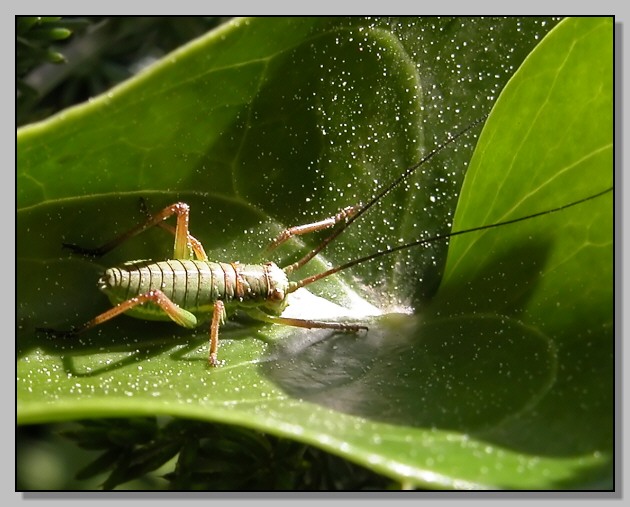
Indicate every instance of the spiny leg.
{"type": "Point", "coordinates": [304, 323]}
{"type": "Point", "coordinates": [184, 242]}
{"type": "Point", "coordinates": [195, 244]}
{"type": "Point", "coordinates": [218, 317]}
{"type": "Point", "coordinates": [360, 209]}
{"type": "Point", "coordinates": [317, 324]}
{"type": "Point", "coordinates": [180, 316]}
{"type": "Point", "coordinates": [175, 312]}
{"type": "Point", "coordinates": [344, 214]}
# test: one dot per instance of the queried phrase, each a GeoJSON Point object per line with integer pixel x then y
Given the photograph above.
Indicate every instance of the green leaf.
{"type": "Point", "coordinates": [266, 123]}
{"type": "Point", "coordinates": [548, 143]}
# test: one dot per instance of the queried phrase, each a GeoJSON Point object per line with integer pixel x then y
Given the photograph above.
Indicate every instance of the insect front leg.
{"type": "Point", "coordinates": [298, 230]}
{"type": "Point", "coordinates": [305, 323]}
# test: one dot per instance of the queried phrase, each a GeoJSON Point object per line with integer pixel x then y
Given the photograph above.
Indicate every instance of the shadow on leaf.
{"type": "Point", "coordinates": [452, 367]}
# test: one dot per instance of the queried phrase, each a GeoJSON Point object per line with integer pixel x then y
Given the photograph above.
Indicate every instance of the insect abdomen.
{"type": "Point", "coordinates": [193, 285]}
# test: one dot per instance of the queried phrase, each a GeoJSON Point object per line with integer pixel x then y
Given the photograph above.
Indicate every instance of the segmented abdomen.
{"type": "Point", "coordinates": [193, 285]}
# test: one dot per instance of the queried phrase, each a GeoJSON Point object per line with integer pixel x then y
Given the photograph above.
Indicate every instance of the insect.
{"type": "Point", "coordinates": [190, 289]}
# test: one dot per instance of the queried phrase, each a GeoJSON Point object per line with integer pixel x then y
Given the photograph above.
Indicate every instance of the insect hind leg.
{"type": "Point", "coordinates": [185, 244]}
{"type": "Point", "coordinates": [177, 314]}
{"type": "Point", "coordinates": [195, 244]}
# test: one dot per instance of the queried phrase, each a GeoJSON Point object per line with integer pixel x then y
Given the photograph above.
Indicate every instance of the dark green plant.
{"type": "Point", "coordinates": [35, 37]}
{"type": "Point", "coordinates": [102, 52]}
{"type": "Point", "coordinates": [200, 456]}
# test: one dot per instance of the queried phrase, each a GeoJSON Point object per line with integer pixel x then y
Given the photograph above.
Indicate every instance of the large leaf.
{"type": "Point", "coordinates": [273, 122]}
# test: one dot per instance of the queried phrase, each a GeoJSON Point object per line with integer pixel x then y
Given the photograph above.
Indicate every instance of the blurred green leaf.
{"type": "Point", "coordinates": [266, 123]}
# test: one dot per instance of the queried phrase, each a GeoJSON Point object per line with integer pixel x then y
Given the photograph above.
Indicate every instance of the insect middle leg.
{"type": "Point", "coordinates": [298, 230]}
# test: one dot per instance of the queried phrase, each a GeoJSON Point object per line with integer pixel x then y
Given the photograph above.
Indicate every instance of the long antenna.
{"type": "Point", "coordinates": [298, 264]}
{"type": "Point", "coordinates": [319, 276]}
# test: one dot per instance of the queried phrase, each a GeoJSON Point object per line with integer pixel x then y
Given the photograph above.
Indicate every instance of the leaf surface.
{"type": "Point", "coordinates": [501, 379]}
